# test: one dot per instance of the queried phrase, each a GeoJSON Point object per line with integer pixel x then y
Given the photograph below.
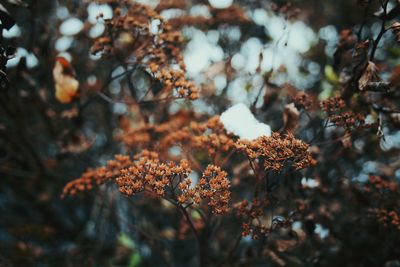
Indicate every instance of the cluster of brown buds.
{"type": "Point", "coordinates": [209, 136]}
{"type": "Point", "coordinates": [303, 101]}
{"type": "Point", "coordinates": [233, 15]}
{"type": "Point", "coordinates": [214, 188]}
{"type": "Point", "coordinates": [168, 180]}
{"type": "Point", "coordinates": [257, 220]}
{"type": "Point", "coordinates": [378, 184]}
{"type": "Point", "coordinates": [97, 176]}
{"type": "Point", "coordinates": [148, 173]}
{"type": "Point", "coordinates": [332, 104]}
{"type": "Point", "coordinates": [348, 120]}
{"type": "Point", "coordinates": [277, 152]}
{"type": "Point", "coordinates": [175, 79]}
{"type": "Point", "coordinates": [251, 217]}
{"type": "Point", "coordinates": [145, 135]}
{"type": "Point", "coordinates": [386, 218]}
{"type": "Point", "coordinates": [138, 32]}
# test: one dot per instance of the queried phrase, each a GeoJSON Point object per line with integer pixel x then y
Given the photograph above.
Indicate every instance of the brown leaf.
{"type": "Point", "coordinates": [370, 75]}
{"type": "Point", "coordinates": [65, 83]}
{"type": "Point", "coordinates": [346, 141]}
{"type": "Point", "coordinates": [291, 117]}
{"type": "Point", "coordinates": [360, 57]}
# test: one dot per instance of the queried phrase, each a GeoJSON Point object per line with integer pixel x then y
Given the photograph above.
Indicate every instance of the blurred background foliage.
{"type": "Point", "coordinates": [44, 144]}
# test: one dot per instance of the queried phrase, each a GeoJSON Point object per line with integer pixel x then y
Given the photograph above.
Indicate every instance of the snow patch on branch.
{"type": "Point", "coordinates": [239, 120]}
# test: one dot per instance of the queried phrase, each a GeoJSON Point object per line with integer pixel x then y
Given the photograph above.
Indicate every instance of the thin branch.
{"type": "Point", "coordinates": [382, 30]}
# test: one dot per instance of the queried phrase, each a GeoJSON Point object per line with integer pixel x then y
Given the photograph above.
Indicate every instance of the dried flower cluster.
{"type": "Point", "coordinates": [233, 15]}
{"type": "Point", "coordinates": [278, 152]}
{"type": "Point", "coordinates": [251, 214]}
{"type": "Point", "coordinates": [97, 176]}
{"type": "Point", "coordinates": [214, 188]}
{"type": "Point", "coordinates": [303, 101]}
{"type": "Point", "coordinates": [256, 220]}
{"type": "Point", "coordinates": [180, 130]}
{"type": "Point", "coordinates": [386, 218]}
{"type": "Point", "coordinates": [138, 31]}
{"type": "Point", "coordinates": [348, 120]}
{"type": "Point", "coordinates": [209, 136]}
{"type": "Point", "coordinates": [145, 172]}
{"type": "Point", "coordinates": [377, 183]}
{"type": "Point", "coordinates": [149, 135]}
{"type": "Point", "coordinates": [332, 104]}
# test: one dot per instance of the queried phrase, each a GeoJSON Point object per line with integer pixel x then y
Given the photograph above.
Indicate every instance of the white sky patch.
{"type": "Point", "coordinates": [171, 13]}
{"type": "Point", "coordinates": [220, 81]}
{"type": "Point", "coordinates": [220, 3]}
{"type": "Point", "coordinates": [321, 231]}
{"type": "Point", "coordinates": [91, 80]}
{"type": "Point", "coordinates": [238, 61]}
{"type": "Point", "coordinates": [238, 90]}
{"type": "Point", "coordinates": [251, 50]}
{"type": "Point", "coordinates": [391, 140]}
{"type": "Point", "coordinates": [275, 27]}
{"type": "Point", "coordinates": [64, 43]}
{"type": "Point", "coordinates": [213, 36]}
{"type": "Point", "coordinates": [239, 120]}
{"type": "Point", "coordinates": [260, 16]}
{"type": "Point", "coordinates": [150, 3]}
{"type": "Point", "coordinates": [94, 57]}
{"type": "Point", "coordinates": [31, 59]}
{"type": "Point", "coordinates": [120, 108]}
{"type": "Point", "coordinates": [96, 30]}
{"type": "Point", "coordinates": [309, 183]}
{"type": "Point", "coordinates": [200, 10]}
{"type": "Point", "coordinates": [62, 12]}
{"type": "Point", "coordinates": [65, 55]}
{"type": "Point", "coordinates": [200, 53]}
{"type": "Point", "coordinates": [14, 32]}
{"type": "Point", "coordinates": [194, 177]}
{"type": "Point", "coordinates": [301, 37]}
{"type": "Point", "coordinates": [296, 225]}
{"type": "Point", "coordinates": [94, 10]}
{"type": "Point", "coordinates": [155, 26]}
{"type": "Point", "coordinates": [71, 26]}
{"type": "Point", "coordinates": [329, 34]}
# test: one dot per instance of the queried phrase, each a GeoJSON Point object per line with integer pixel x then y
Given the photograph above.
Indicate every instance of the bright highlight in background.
{"type": "Point", "coordinates": [239, 120]}
{"type": "Point", "coordinates": [220, 3]}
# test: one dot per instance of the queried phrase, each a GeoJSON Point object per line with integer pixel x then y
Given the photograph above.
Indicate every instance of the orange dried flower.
{"type": "Point", "coordinates": [156, 48]}
{"type": "Point", "coordinates": [277, 152]}
{"type": "Point", "coordinates": [97, 176]}
{"type": "Point", "coordinates": [214, 188]}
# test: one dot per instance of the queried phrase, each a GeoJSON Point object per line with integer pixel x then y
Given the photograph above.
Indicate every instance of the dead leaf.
{"type": "Point", "coordinates": [65, 83]}
{"type": "Point", "coordinates": [346, 141]}
{"type": "Point", "coordinates": [370, 75]}
{"type": "Point", "coordinates": [291, 117]}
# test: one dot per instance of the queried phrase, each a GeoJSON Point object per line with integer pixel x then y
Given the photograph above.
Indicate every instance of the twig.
{"type": "Point", "coordinates": [231, 251]}
{"type": "Point", "coordinates": [381, 32]}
